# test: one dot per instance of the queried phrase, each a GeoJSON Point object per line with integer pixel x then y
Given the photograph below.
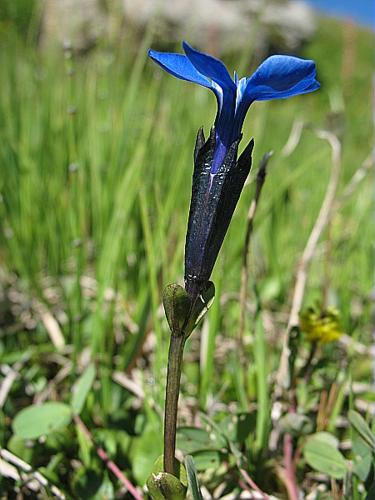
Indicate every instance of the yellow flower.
{"type": "Point", "coordinates": [321, 326]}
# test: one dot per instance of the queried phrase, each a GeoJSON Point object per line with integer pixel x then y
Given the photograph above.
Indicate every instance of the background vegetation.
{"type": "Point", "coordinates": [96, 163]}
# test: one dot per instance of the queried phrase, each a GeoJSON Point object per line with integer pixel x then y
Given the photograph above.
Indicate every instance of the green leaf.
{"type": "Point", "coordinates": [321, 454]}
{"type": "Point", "coordinates": [19, 447]}
{"type": "Point", "coordinates": [179, 311]}
{"type": "Point", "coordinates": [179, 469]}
{"type": "Point", "coordinates": [206, 459]}
{"type": "Point", "coordinates": [362, 466]}
{"type": "Point", "coordinates": [38, 420]}
{"type": "Point", "coordinates": [192, 478]}
{"type": "Point", "coordinates": [145, 450]}
{"type": "Point", "coordinates": [362, 457]}
{"type": "Point", "coordinates": [245, 424]}
{"type": "Point", "coordinates": [360, 425]}
{"type": "Point", "coordinates": [218, 433]}
{"type": "Point", "coordinates": [191, 439]}
{"type": "Point", "coordinates": [326, 437]}
{"type": "Point", "coordinates": [85, 447]}
{"type": "Point", "coordinates": [177, 305]}
{"type": "Point", "coordinates": [164, 486]}
{"type": "Point", "coordinates": [81, 389]}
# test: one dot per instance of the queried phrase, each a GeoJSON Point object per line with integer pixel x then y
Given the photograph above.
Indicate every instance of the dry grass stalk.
{"type": "Point", "coordinates": [321, 222]}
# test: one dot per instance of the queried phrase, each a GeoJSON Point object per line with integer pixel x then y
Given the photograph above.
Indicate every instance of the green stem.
{"type": "Point", "coordinates": [175, 355]}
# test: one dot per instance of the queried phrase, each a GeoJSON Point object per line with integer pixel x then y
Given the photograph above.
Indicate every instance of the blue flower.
{"type": "Point", "coordinates": [219, 175]}
{"type": "Point", "coordinates": [277, 77]}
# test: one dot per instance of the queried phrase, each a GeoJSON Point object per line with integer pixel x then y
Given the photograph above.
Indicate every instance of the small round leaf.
{"type": "Point", "coordinates": [38, 420]}
{"type": "Point", "coordinates": [321, 454]}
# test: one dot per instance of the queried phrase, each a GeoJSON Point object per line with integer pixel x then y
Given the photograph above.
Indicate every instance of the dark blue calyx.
{"type": "Point", "coordinates": [213, 201]}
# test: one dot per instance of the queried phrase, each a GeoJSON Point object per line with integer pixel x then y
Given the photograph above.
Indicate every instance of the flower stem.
{"type": "Point", "coordinates": [175, 355]}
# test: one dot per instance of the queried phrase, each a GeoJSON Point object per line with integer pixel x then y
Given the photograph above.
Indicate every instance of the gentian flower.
{"type": "Point", "coordinates": [218, 175]}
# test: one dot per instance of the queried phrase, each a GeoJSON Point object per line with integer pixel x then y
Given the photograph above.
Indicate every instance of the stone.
{"type": "Point", "coordinates": [72, 24]}
{"type": "Point", "coordinates": [217, 26]}
{"type": "Point", "coordinates": [226, 25]}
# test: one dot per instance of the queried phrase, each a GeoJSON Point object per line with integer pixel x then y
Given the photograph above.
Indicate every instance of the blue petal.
{"type": "Point", "coordinates": [280, 77]}
{"type": "Point", "coordinates": [179, 66]}
{"type": "Point", "coordinates": [223, 86]}
{"type": "Point", "coordinates": [209, 66]}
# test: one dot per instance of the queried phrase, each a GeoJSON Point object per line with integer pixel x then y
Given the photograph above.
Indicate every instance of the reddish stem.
{"type": "Point", "coordinates": [290, 471]}
{"type": "Point", "coordinates": [108, 462]}
{"type": "Point", "coordinates": [252, 484]}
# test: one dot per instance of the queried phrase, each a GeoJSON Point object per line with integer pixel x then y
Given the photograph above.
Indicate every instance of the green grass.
{"type": "Point", "coordinates": [96, 166]}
